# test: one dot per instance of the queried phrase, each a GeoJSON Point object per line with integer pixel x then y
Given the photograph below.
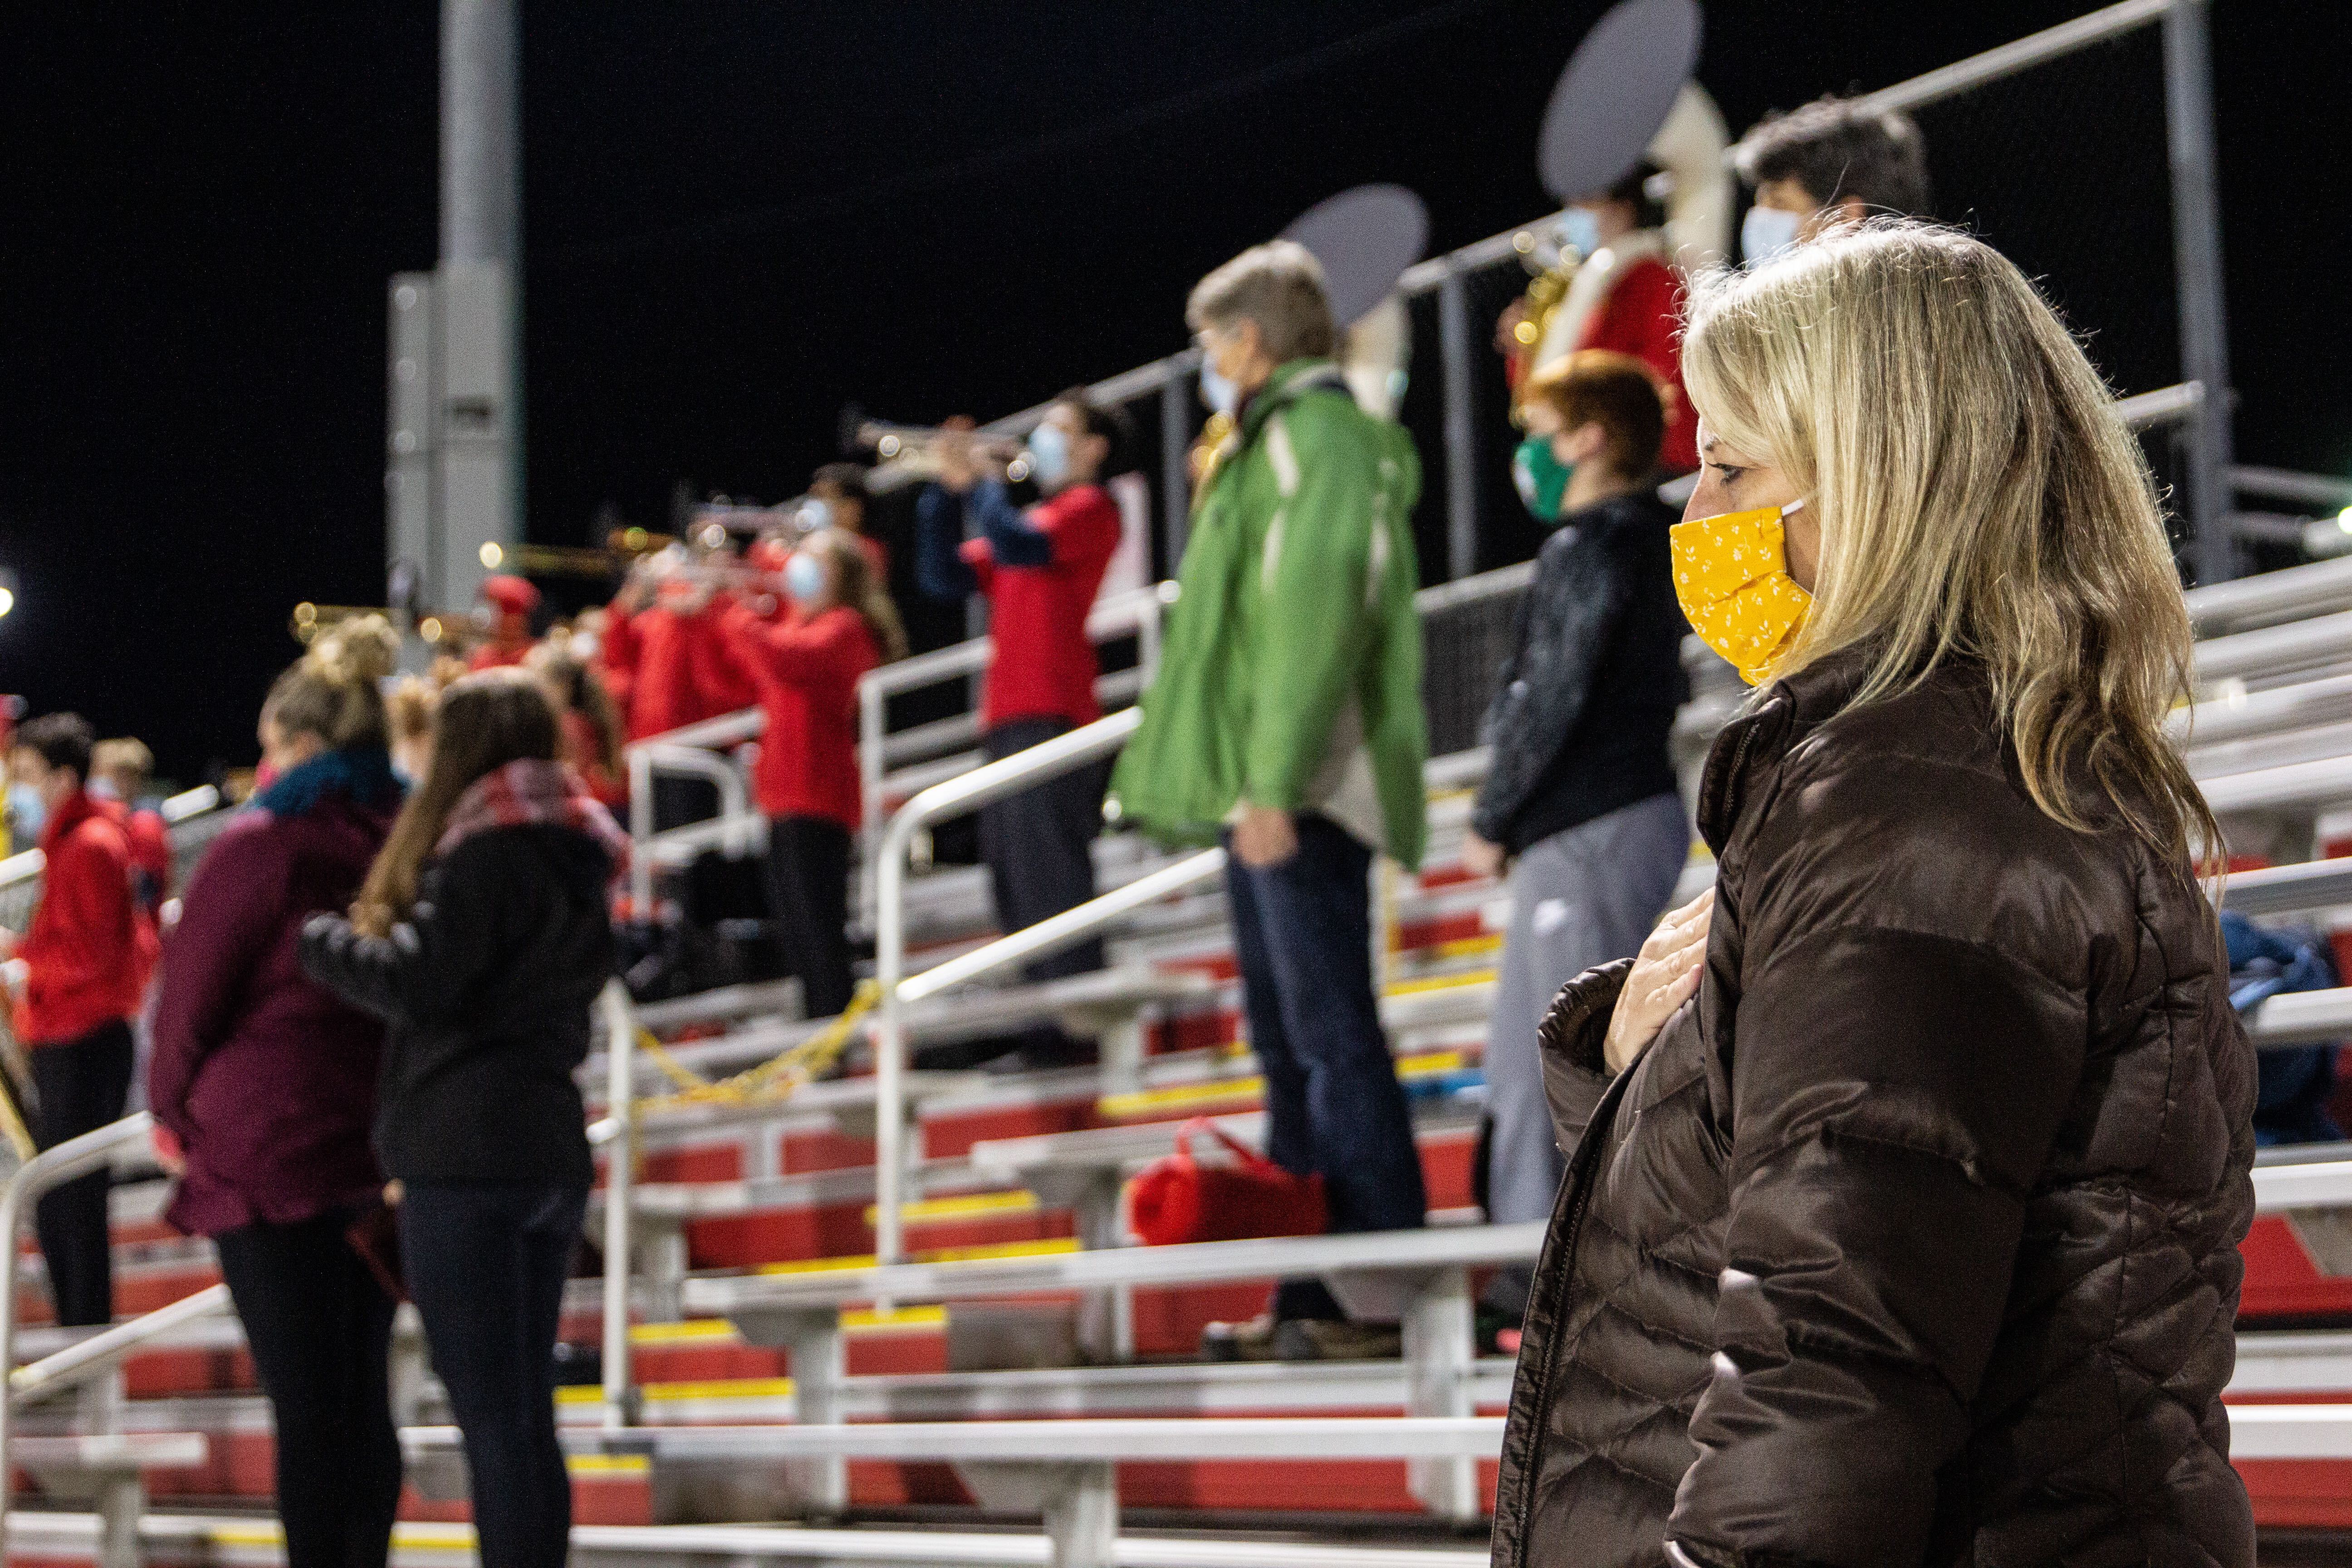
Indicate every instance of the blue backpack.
{"type": "Point", "coordinates": [2291, 1104]}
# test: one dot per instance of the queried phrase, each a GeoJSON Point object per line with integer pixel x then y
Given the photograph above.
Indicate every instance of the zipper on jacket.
{"type": "Point", "coordinates": [1523, 1507]}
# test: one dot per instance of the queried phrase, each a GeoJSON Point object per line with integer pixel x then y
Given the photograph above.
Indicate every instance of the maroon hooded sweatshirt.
{"type": "Point", "coordinates": [266, 1080]}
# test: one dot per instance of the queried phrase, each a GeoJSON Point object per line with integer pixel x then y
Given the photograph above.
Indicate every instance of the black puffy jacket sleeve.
{"type": "Point", "coordinates": [426, 968]}
{"type": "Point", "coordinates": [1895, 1090]}
{"type": "Point", "coordinates": [1563, 630]}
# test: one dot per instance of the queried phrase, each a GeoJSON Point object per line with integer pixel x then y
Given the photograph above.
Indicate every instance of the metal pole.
{"type": "Point", "coordinates": [890, 1047]}
{"type": "Point", "coordinates": [1175, 462]}
{"type": "Point", "coordinates": [482, 138]}
{"type": "Point", "coordinates": [871, 737]}
{"type": "Point", "coordinates": [620, 1181]}
{"type": "Point", "coordinates": [479, 292]}
{"type": "Point", "coordinates": [2197, 260]}
{"type": "Point", "coordinates": [1461, 435]}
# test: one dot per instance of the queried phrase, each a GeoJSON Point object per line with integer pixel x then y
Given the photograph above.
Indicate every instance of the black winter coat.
{"type": "Point", "coordinates": [486, 987]}
{"type": "Point", "coordinates": [1585, 703]}
{"type": "Point", "coordinates": [1912, 1238]}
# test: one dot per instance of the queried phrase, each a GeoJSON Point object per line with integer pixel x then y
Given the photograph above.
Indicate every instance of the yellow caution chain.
{"type": "Point", "coordinates": [779, 1078]}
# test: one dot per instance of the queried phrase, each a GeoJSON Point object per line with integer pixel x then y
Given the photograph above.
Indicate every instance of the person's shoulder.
{"type": "Point", "coordinates": [1906, 812]}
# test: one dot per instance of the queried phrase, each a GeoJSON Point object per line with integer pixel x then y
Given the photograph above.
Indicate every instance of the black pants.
{"type": "Point", "coordinates": [83, 1084]}
{"type": "Point", "coordinates": [485, 1266]}
{"type": "Point", "coordinates": [321, 1329]}
{"type": "Point", "coordinates": [1039, 844]}
{"type": "Point", "coordinates": [808, 898]}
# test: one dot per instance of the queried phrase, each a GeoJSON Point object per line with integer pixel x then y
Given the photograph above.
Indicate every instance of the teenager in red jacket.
{"type": "Point", "coordinates": [664, 668]}
{"type": "Point", "coordinates": [806, 661]}
{"type": "Point", "coordinates": [1626, 296]}
{"type": "Point", "coordinates": [1040, 568]}
{"type": "Point", "coordinates": [122, 774]}
{"type": "Point", "coordinates": [511, 602]}
{"type": "Point", "coordinates": [81, 989]}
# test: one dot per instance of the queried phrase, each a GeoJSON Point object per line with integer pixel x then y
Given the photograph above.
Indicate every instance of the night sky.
{"type": "Point", "coordinates": [740, 216]}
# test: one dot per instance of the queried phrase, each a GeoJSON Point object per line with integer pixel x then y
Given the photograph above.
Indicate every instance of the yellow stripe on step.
{"type": "Point", "coordinates": [1183, 1097]}
{"type": "Point", "coordinates": [695, 1332]}
{"type": "Point", "coordinates": [969, 1206]}
{"type": "Point", "coordinates": [608, 1466]}
{"type": "Point", "coordinates": [905, 1320]}
{"type": "Point", "coordinates": [935, 1255]}
{"type": "Point", "coordinates": [1441, 982]}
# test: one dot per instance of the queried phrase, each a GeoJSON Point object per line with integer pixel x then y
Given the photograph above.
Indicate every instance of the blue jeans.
{"type": "Point", "coordinates": [485, 1266]}
{"type": "Point", "coordinates": [1303, 933]}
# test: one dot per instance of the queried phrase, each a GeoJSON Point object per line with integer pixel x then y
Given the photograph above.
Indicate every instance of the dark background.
{"type": "Point", "coordinates": [740, 215]}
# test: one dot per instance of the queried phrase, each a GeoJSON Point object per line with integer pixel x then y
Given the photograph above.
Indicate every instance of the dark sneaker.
{"type": "Point", "coordinates": [1251, 1340]}
{"type": "Point", "coordinates": [1320, 1339]}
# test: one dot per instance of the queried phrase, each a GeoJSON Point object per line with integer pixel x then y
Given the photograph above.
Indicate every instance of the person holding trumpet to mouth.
{"type": "Point", "coordinates": [1040, 568]}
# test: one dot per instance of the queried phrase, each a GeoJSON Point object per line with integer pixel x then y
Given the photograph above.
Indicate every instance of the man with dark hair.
{"type": "Point", "coordinates": [1040, 568]}
{"type": "Point", "coordinates": [80, 990]}
{"type": "Point", "coordinates": [1831, 163]}
{"type": "Point", "coordinates": [840, 489]}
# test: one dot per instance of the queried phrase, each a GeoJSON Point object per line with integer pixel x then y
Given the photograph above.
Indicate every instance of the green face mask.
{"type": "Point", "coordinates": [1541, 477]}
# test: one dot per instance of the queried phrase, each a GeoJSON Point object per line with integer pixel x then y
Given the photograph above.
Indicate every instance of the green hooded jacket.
{"type": "Point", "coordinates": [1295, 594]}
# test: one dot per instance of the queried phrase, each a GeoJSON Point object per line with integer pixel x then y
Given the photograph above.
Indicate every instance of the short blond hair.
{"type": "Point", "coordinates": [1978, 497]}
{"type": "Point", "coordinates": [1278, 285]}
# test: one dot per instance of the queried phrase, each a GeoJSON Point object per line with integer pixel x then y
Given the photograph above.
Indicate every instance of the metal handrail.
{"type": "Point", "coordinates": [49, 1169]}
{"type": "Point", "coordinates": [956, 797]}
{"type": "Point", "coordinates": [185, 807]}
{"type": "Point", "coordinates": [618, 1124]}
{"type": "Point", "coordinates": [87, 1358]}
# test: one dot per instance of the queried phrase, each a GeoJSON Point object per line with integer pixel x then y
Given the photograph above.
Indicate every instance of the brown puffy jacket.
{"type": "Point", "coordinates": [1912, 1238]}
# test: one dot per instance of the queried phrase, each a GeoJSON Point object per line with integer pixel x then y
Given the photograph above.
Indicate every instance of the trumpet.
{"type": "Point", "coordinates": [909, 453]}
{"type": "Point", "coordinates": [622, 549]}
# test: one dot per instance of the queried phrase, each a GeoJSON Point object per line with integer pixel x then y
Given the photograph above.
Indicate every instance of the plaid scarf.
{"type": "Point", "coordinates": [532, 792]}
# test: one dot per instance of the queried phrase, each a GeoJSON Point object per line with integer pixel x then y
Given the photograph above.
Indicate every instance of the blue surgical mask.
{"type": "Point", "coordinates": [1580, 229]}
{"type": "Point", "coordinates": [1049, 456]}
{"type": "Point", "coordinates": [25, 805]}
{"type": "Point", "coordinates": [804, 579]}
{"type": "Point", "coordinates": [1222, 395]}
{"type": "Point", "coordinates": [1768, 232]}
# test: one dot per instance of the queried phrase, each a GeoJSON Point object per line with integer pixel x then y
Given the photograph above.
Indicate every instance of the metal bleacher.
{"type": "Point", "coordinates": [893, 1316]}
{"type": "Point", "coordinates": [782, 1394]}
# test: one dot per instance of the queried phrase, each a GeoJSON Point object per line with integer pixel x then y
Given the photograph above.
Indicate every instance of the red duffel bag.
{"type": "Point", "coordinates": [1175, 1199]}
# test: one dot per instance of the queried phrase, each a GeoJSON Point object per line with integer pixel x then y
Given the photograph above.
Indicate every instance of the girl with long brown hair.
{"type": "Point", "coordinates": [481, 937]}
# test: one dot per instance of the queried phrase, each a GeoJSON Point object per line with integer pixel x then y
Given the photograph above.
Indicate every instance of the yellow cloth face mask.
{"type": "Point", "coordinates": [1731, 576]}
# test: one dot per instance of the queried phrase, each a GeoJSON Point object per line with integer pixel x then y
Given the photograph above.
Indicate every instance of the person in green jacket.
{"type": "Point", "coordinates": [1285, 719]}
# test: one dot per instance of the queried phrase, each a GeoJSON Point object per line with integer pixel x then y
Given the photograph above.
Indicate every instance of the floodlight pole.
{"type": "Point", "coordinates": [2197, 265]}
{"type": "Point", "coordinates": [480, 286]}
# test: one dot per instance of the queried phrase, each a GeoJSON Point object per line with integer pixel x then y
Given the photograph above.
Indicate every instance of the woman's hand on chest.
{"type": "Point", "coordinates": [1665, 975]}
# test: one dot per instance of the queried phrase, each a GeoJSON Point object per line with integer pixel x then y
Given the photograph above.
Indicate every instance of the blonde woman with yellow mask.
{"type": "Point", "coordinates": [1910, 1166]}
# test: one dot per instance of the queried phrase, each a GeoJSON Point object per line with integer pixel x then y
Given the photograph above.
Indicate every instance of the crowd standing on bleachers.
{"type": "Point", "coordinates": [1919, 757]}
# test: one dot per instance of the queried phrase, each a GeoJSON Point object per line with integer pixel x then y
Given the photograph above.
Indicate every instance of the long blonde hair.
{"type": "Point", "coordinates": [861, 590]}
{"type": "Point", "coordinates": [1977, 495]}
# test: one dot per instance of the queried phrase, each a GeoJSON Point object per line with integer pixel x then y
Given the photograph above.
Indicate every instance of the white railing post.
{"type": "Point", "coordinates": [620, 1180]}
{"type": "Point", "coordinates": [51, 1167]}
{"type": "Point", "coordinates": [873, 710]}
{"type": "Point", "coordinates": [641, 830]}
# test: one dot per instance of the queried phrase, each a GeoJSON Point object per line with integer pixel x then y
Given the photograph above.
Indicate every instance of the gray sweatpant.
{"type": "Point", "coordinates": [1579, 899]}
